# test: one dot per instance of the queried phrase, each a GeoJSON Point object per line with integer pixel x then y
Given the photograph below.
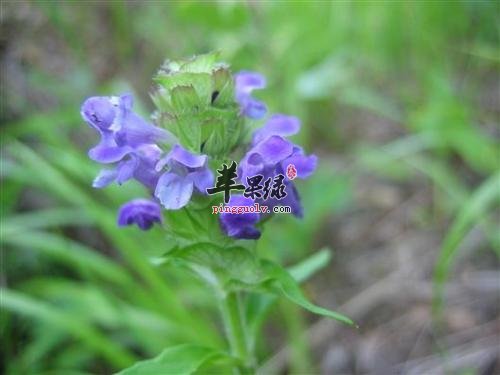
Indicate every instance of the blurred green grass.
{"type": "Point", "coordinates": [423, 69]}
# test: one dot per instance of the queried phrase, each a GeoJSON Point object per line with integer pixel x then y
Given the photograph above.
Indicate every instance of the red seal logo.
{"type": "Point", "coordinates": [291, 171]}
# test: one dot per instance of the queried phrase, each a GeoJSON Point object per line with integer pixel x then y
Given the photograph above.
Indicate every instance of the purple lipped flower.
{"type": "Point", "coordinates": [142, 212]}
{"type": "Point", "coordinates": [186, 173]}
{"type": "Point", "coordinates": [240, 225]}
{"type": "Point", "coordinates": [245, 83]}
{"type": "Point", "coordinates": [121, 129]}
{"type": "Point", "coordinates": [139, 164]}
{"type": "Point", "coordinates": [271, 154]}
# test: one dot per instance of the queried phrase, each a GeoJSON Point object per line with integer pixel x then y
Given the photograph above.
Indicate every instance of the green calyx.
{"type": "Point", "coordinates": [195, 101]}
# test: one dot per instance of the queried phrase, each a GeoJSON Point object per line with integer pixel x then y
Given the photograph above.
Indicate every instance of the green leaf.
{"type": "Point", "coordinates": [487, 195]}
{"type": "Point", "coordinates": [179, 360]}
{"type": "Point", "coordinates": [311, 265]}
{"type": "Point", "coordinates": [95, 340]}
{"type": "Point", "coordinates": [43, 174]}
{"type": "Point", "coordinates": [81, 257]}
{"type": "Point", "coordinates": [194, 223]}
{"type": "Point", "coordinates": [234, 266]}
{"type": "Point", "coordinates": [258, 304]}
{"type": "Point", "coordinates": [282, 281]}
{"type": "Point", "coordinates": [52, 217]}
{"type": "Point", "coordinates": [180, 224]}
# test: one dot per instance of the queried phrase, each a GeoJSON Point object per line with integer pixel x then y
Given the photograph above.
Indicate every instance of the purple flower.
{"type": "Point", "coordinates": [240, 225]}
{"type": "Point", "coordinates": [270, 155]}
{"type": "Point", "coordinates": [139, 164]}
{"type": "Point", "coordinates": [126, 139]}
{"type": "Point", "coordinates": [186, 173]}
{"type": "Point", "coordinates": [142, 212]}
{"type": "Point", "coordinates": [245, 83]}
{"type": "Point", "coordinates": [121, 129]}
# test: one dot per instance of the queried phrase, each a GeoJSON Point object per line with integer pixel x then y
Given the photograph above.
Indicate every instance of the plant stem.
{"type": "Point", "coordinates": [236, 331]}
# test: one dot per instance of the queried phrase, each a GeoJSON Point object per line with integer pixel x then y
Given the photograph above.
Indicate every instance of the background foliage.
{"type": "Point", "coordinates": [399, 100]}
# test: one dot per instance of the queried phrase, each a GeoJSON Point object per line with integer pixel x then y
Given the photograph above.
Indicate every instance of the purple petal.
{"type": "Point", "coordinates": [146, 175]}
{"type": "Point", "coordinates": [142, 212]}
{"type": "Point", "coordinates": [251, 165]}
{"type": "Point", "coordinates": [135, 131]}
{"type": "Point", "coordinates": [184, 157]}
{"type": "Point", "coordinates": [126, 169]}
{"type": "Point", "coordinates": [247, 233]}
{"type": "Point", "coordinates": [273, 149]}
{"type": "Point", "coordinates": [104, 178]}
{"type": "Point", "coordinates": [292, 199]}
{"type": "Point", "coordinates": [145, 172]}
{"type": "Point", "coordinates": [114, 119]}
{"type": "Point", "coordinates": [305, 165]}
{"type": "Point", "coordinates": [202, 179]}
{"type": "Point", "coordinates": [245, 83]}
{"type": "Point", "coordinates": [150, 153]}
{"type": "Point", "coordinates": [126, 101]}
{"type": "Point", "coordinates": [162, 163]}
{"type": "Point", "coordinates": [174, 191]}
{"type": "Point", "coordinates": [253, 108]}
{"type": "Point", "coordinates": [99, 112]}
{"type": "Point", "coordinates": [240, 225]}
{"type": "Point", "coordinates": [277, 125]}
{"type": "Point", "coordinates": [107, 151]}
{"type": "Point", "coordinates": [248, 81]}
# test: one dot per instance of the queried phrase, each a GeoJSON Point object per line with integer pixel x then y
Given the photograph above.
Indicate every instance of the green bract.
{"type": "Point", "coordinates": [195, 101]}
